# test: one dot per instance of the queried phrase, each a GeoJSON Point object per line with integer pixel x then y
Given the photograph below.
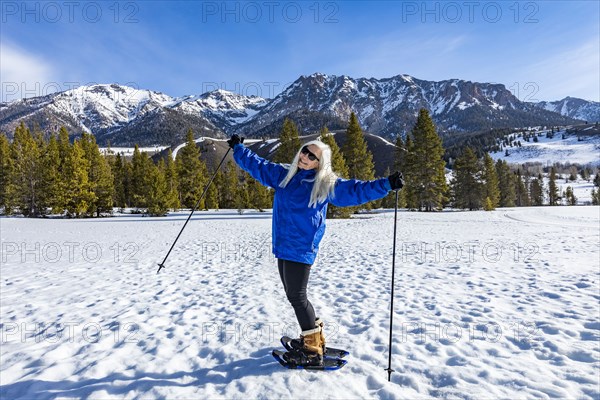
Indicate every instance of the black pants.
{"type": "Point", "coordinates": [294, 276]}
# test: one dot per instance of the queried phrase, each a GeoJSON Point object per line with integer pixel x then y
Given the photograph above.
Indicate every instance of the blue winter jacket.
{"type": "Point", "coordinates": [298, 228]}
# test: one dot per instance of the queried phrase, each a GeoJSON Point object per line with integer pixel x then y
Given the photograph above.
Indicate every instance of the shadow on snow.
{"type": "Point", "coordinates": [260, 363]}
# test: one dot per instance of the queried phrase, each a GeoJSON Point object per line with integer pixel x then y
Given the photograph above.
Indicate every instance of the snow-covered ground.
{"type": "Point", "coordinates": [582, 189]}
{"type": "Point", "coordinates": [549, 151]}
{"type": "Point", "coordinates": [501, 304]}
{"type": "Point", "coordinates": [128, 151]}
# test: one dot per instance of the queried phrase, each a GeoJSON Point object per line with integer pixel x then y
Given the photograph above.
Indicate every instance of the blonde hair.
{"type": "Point", "coordinates": [325, 179]}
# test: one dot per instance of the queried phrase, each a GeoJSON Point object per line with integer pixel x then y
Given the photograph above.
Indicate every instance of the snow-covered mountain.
{"type": "Point", "coordinates": [125, 116]}
{"type": "Point", "coordinates": [97, 107]}
{"type": "Point", "coordinates": [225, 109]}
{"type": "Point", "coordinates": [389, 106]}
{"type": "Point", "coordinates": [574, 108]}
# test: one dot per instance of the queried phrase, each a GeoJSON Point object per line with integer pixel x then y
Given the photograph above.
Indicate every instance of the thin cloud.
{"type": "Point", "coordinates": [24, 74]}
{"type": "Point", "coordinates": [567, 72]}
{"type": "Point", "coordinates": [400, 53]}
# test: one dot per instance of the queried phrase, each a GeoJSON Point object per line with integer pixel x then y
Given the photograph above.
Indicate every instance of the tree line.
{"type": "Point", "coordinates": [479, 183]}
{"type": "Point", "coordinates": [41, 176]}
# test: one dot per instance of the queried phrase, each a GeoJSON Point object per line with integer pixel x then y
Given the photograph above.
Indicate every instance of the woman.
{"type": "Point", "coordinates": [302, 191]}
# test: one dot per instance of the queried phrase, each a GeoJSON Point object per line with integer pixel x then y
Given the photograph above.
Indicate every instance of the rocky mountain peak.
{"type": "Point", "coordinates": [385, 107]}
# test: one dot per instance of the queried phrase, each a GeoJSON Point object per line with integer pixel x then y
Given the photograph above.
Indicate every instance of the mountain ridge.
{"type": "Point", "coordinates": [385, 107]}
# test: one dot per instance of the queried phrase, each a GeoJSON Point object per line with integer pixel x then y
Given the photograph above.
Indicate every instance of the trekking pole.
{"type": "Point", "coordinates": [162, 264]}
{"type": "Point", "coordinates": [389, 368]}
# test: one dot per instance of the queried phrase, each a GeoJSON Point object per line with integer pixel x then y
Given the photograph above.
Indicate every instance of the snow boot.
{"type": "Point", "coordinates": [312, 342]}
{"type": "Point", "coordinates": [319, 323]}
{"type": "Point", "coordinates": [297, 343]}
{"type": "Point", "coordinates": [311, 352]}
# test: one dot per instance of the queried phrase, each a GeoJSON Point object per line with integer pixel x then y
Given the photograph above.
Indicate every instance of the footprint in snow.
{"type": "Point", "coordinates": [582, 356]}
{"type": "Point", "coordinates": [550, 295]}
{"type": "Point", "coordinates": [590, 336]}
{"type": "Point", "coordinates": [456, 361]}
{"type": "Point", "coordinates": [592, 325]}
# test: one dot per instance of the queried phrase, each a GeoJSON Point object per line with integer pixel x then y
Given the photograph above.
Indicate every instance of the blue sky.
{"type": "Point", "coordinates": [541, 50]}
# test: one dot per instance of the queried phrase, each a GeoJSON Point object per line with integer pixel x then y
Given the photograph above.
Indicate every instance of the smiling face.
{"type": "Point", "coordinates": [308, 152]}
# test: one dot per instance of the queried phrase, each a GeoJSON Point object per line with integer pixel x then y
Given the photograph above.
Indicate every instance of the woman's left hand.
{"type": "Point", "coordinates": [396, 180]}
{"type": "Point", "coordinates": [235, 139]}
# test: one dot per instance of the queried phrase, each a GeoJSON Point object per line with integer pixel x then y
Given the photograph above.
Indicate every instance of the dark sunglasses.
{"type": "Point", "coordinates": [310, 154]}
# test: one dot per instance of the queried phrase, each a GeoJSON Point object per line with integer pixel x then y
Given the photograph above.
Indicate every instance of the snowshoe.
{"type": "Point", "coordinates": [296, 344]}
{"type": "Point", "coordinates": [292, 360]}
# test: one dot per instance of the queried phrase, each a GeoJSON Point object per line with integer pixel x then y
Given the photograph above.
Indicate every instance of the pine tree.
{"type": "Point", "coordinates": [99, 176]}
{"type": "Point", "coordinates": [218, 182]}
{"type": "Point", "coordinates": [410, 176]}
{"type": "Point", "coordinates": [536, 191]}
{"type": "Point", "coordinates": [230, 198]}
{"type": "Point", "coordinates": [596, 197]}
{"type": "Point", "coordinates": [212, 196]}
{"type": "Point", "coordinates": [127, 182]}
{"type": "Point", "coordinates": [25, 179]}
{"type": "Point", "coordinates": [289, 143]}
{"type": "Point", "coordinates": [338, 165]}
{"type": "Point", "coordinates": [191, 173]}
{"type": "Point", "coordinates": [597, 178]}
{"type": "Point", "coordinates": [50, 171]}
{"type": "Point", "coordinates": [169, 171]}
{"type": "Point", "coordinates": [139, 179]}
{"type": "Point", "coordinates": [243, 197]}
{"type": "Point", "coordinates": [109, 151]}
{"type": "Point", "coordinates": [553, 194]}
{"type": "Point", "coordinates": [118, 170]}
{"type": "Point", "coordinates": [78, 194]}
{"type": "Point", "coordinates": [400, 154]}
{"type": "Point", "coordinates": [491, 190]}
{"type": "Point", "coordinates": [468, 184]}
{"type": "Point", "coordinates": [5, 171]}
{"type": "Point", "coordinates": [488, 204]}
{"type": "Point", "coordinates": [506, 184]}
{"type": "Point", "coordinates": [521, 192]}
{"type": "Point", "coordinates": [357, 156]}
{"type": "Point", "coordinates": [44, 194]}
{"type": "Point", "coordinates": [424, 172]}
{"type": "Point", "coordinates": [103, 185]}
{"type": "Point", "coordinates": [400, 151]}
{"type": "Point", "coordinates": [570, 196]}
{"type": "Point", "coordinates": [585, 174]}
{"type": "Point", "coordinates": [64, 156]}
{"type": "Point", "coordinates": [572, 174]}
{"type": "Point", "coordinates": [157, 200]}
{"type": "Point", "coordinates": [203, 181]}
{"type": "Point", "coordinates": [409, 192]}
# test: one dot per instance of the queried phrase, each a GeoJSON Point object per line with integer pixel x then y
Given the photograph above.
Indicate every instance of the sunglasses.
{"type": "Point", "coordinates": [311, 156]}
